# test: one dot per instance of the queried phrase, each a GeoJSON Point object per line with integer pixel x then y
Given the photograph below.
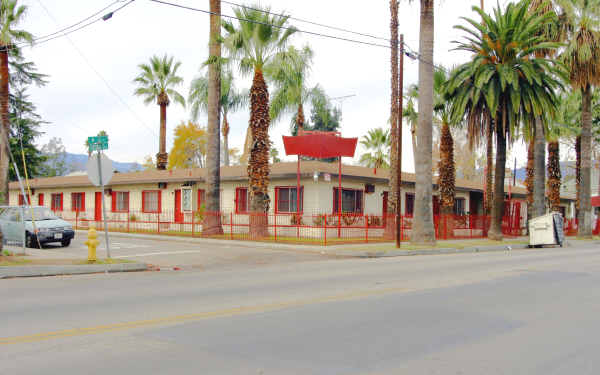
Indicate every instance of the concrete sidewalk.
{"type": "Point", "coordinates": [38, 271]}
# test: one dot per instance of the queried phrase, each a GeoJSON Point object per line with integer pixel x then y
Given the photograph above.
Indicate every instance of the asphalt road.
{"type": "Point", "coordinates": [518, 312]}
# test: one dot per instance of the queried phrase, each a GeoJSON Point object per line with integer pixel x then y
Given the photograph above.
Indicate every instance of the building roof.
{"type": "Point", "coordinates": [239, 173]}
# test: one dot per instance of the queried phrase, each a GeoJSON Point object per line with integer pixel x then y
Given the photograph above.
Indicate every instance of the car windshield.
{"type": "Point", "coordinates": [39, 213]}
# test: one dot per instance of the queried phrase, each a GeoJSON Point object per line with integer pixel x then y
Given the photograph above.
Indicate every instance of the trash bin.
{"type": "Point", "coordinates": [546, 230]}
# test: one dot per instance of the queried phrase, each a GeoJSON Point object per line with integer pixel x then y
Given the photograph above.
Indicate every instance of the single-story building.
{"type": "Point", "coordinates": [176, 195]}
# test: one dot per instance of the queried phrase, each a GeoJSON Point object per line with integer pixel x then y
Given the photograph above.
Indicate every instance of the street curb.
{"type": "Point", "coordinates": [37, 271]}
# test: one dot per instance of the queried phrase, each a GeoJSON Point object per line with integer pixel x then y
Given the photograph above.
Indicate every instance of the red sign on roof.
{"type": "Point", "coordinates": [319, 145]}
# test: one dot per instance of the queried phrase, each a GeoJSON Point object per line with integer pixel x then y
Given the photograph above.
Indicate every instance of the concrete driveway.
{"type": "Point", "coordinates": [188, 253]}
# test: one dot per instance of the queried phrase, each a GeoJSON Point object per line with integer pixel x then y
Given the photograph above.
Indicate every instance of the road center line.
{"type": "Point", "coordinates": [197, 316]}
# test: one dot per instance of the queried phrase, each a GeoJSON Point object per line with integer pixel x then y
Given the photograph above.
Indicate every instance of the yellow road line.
{"type": "Point", "coordinates": [191, 317]}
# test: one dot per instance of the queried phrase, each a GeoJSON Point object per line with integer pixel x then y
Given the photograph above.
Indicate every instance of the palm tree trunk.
{"type": "Point", "coordinates": [212, 222]}
{"type": "Point", "coordinates": [394, 114]}
{"type": "Point", "coordinates": [529, 178]}
{"type": "Point", "coordinates": [300, 118]}
{"type": "Point", "coordinates": [578, 173]}
{"type": "Point", "coordinates": [423, 228]}
{"type": "Point", "coordinates": [585, 204]}
{"type": "Point", "coordinates": [495, 232]}
{"type": "Point", "coordinates": [413, 135]}
{"type": "Point", "coordinates": [539, 177]}
{"type": "Point", "coordinates": [4, 126]}
{"type": "Point", "coordinates": [162, 156]}
{"type": "Point", "coordinates": [554, 175]}
{"type": "Point", "coordinates": [489, 191]}
{"type": "Point", "coordinates": [447, 180]}
{"type": "Point", "coordinates": [225, 140]}
{"type": "Point", "coordinates": [258, 165]}
{"type": "Point", "coordinates": [247, 143]}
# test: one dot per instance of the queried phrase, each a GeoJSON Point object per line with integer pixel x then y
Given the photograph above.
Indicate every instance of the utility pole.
{"type": "Point", "coordinates": [399, 143]}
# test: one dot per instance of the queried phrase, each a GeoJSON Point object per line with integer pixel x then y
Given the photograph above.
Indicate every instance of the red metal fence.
{"type": "Point", "coordinates": [318, 228]}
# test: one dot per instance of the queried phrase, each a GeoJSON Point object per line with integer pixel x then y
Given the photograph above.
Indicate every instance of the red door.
{"type": "Point", "coordinates": [41, 199]}
{"type": "Point", "coordinates": [178, 213]}
{"type": "Point", "coordinates": [98, 206]}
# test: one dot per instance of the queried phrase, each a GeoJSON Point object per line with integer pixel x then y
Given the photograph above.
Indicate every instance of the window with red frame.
{"type": "Point", "coordinates": [78, 202]}
{"type": "Point", "coordinates": [201, 198]}
{"type": "Point", "coordinates": [459, 206]}
{"type": "Point", "coordinates": [120, 201]}
{"type": "Point", "coordinates": [352, 201]}
{"type": "Point", "coordinates": [56, 204]}
{"type": "Point", "coordinates": [151, 201]}
{"type": "Point", "coordinates": [286, 200]}
{"type": "Point", "coordinates": [241, 200]}
{"type": "Point", "coordinates": [409, 204]}
{"type": "Point", "coordinates": [22, 200]}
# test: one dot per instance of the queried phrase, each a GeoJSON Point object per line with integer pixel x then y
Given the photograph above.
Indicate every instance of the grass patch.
{"type": "Point", "coordinates": [13, 261]}
{"type": "Point", "coordinates": [19, 261]}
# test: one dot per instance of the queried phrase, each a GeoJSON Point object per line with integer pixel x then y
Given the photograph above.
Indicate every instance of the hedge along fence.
{"type": "Point", "coordinates": [315, 228]}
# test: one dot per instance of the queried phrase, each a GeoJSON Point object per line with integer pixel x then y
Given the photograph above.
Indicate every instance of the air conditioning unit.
{"type": "Point", "coordinates": [369, 188]}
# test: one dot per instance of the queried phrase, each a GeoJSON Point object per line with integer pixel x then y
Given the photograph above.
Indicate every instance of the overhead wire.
{"type": "Point", "coordinates": [86, 60]}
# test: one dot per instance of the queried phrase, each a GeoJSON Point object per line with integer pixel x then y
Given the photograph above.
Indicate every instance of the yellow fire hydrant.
{"type": "Point", "coordinates": [92, 242]}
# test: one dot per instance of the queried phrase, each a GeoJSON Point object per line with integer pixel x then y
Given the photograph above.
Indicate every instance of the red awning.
{"type": "Point", "coordinates": [596, 201]}
{"type": "Point", "coordinates": [320, 146]}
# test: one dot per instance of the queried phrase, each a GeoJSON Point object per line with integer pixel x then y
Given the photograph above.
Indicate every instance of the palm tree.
{"type": "Point", "coordinates": [423, 231]}
{"type": "Point", "coordinates": [446, 167]}
{"type": "Point", "coordinates": [377, 141]}
{"type": "Point", "coordinates": [581, 55]}
{"type": "Point", "coordinates": [548, 32]}
{"type": "Point", "coordinates": [155, 83]}
{"type": "Point", "coordinates": [410, 113]}
{"type": "Point", "coordinates": [289, 73]}
{"type": "Point", "coordinates": [232, 100]}
{"type": "Point", "coordinates": [11, 15]}
{"type": "Point", "coordinates": [254, 43]}
{"type": "Point", "coordinates": [395, 122]}
{"type": "Point", "coordinates": [505, 82]}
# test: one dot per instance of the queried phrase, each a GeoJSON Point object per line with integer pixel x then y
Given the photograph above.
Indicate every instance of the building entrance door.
{"type": "Point", "coordinates": [178, 213]}
{"type": "Point", "coordinates": [98, 206]}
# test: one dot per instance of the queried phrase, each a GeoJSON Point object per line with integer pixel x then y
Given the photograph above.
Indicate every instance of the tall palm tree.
{"type": "Point", "coordinates": [446, 167]}
{"type": "Point", "coordinates": [156, 82]}
{"type": "Point", "coordinates": [254, 43]}
{"type": "Point", "coordinates": [289, 73]}
{"type": "Point", "coordinates": [395, 122]}
{"type": "Point", "coordinates": [515, 86]}
{"type": "Point", "coordinates": [581, 55]}
{"type": "Point", "coordinates": [11, 14]}
{"type": "Point", "coordinates": [232, 100]}
{"type": "Point", "coordinates": [423, 231]}
{"type": "Point", "coordinates": [212, 223]}
{"type": "Point", "coordinates": [549, 32]}
{"type": "Point", "coordinates": [377, 142]}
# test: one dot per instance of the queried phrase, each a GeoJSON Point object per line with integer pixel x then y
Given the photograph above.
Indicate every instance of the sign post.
{"type": "Point", "coordinates": [96, 175]}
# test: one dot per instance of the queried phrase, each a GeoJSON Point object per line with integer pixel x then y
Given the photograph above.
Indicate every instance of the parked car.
{"type": "Point", "coordinates": [48, 227]}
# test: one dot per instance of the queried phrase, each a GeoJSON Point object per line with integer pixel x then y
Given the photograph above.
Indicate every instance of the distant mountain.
{"type": "Point", "coordinates": [567, 168]}
{"type": "Point", "coordinates": [77, 162]}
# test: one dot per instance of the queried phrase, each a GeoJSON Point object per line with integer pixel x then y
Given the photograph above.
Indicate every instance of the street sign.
{"type": "Point", "coordinates": [106, 167]}
{"type": "Point", "coordinates": [98, 143]}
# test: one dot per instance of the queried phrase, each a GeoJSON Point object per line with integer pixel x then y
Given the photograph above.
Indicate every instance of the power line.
{"type": "Point", "coordinates": [307, 21]}
{"type": "Point", "coordinates": [85, 59]}
{"type": "Point", "coordinates": [268, 24]}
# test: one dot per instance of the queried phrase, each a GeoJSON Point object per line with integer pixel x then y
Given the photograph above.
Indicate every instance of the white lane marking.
{"type": "Point", "coordinates": [160, 253]}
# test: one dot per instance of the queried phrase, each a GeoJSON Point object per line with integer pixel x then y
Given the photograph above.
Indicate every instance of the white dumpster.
{"type": "Point", "coordinates": [546, 230]}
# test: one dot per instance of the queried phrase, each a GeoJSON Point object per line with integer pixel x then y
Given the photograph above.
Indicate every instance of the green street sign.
{"type": "Point", "coordinates": [98, 143]}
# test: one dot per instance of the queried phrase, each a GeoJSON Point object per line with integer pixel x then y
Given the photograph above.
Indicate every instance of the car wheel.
{"type": "Point", "coordinates": [65, 243]}
{"type": "Point", "coordinates": [30, 242]}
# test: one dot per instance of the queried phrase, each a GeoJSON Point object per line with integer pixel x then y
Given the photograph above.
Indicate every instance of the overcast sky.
{"type": "Point", "coordinates": [90, 76]}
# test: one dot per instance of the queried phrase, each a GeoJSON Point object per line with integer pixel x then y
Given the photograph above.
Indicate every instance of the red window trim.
{"type": "Point", "coordinates": [277, 199]}
{"type": "Point", "coordinates": [237, 211]}
{"type": "Point", "coordinates": [82, 201]}
{"type": "Point", "coordinates": [201, 195]}
{"type": "Point", "coordinates": [52, 205]}
{"type": "Point", "coordinates": [114, 201]}
{"type": "Point", "coordinates": [335, 199]}
{"type": "Point", "coordinates": [144, 192]}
